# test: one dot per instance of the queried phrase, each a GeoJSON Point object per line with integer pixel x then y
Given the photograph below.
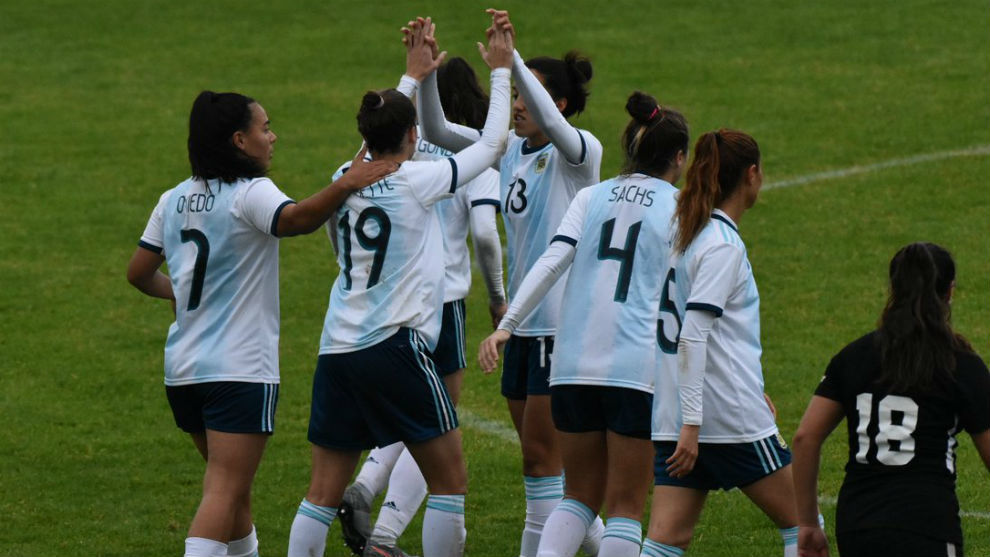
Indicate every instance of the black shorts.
{"type": "Point", "coordinates": [903, 543]}
{"type": "Point", "coordinates": [227, 406]}
{"type": "Point", "coordinates": [451, 354]}
{"type": "Point", "coordinates": [584, 408]}
{"type": "Point", "coordinates": [526, 367]}
{"type": "Point", "coordinates": [379, 395]}
{"type": "Point", "coordinates": [724, 465]}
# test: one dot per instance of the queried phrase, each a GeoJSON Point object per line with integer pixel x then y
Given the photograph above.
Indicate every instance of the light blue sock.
{"type": "Point", "coordinates": [443, 526]}
{"type": "Point", "coordinates": [308, 535]}
{"type": "Point", "coordinates": [565, 529]}
{"type": "Point", "coordinates": [657, 549]}
{"type": "Point", "coordinates": [542, 495]}
{"type": "Point", "coordinates": [622, 537]}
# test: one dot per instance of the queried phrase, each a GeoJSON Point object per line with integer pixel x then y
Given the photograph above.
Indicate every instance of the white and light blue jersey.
{"type": "Point", "coordinates": [608, 322]}
{"type": "Point", "coordinates": [536, 187]}
{"type": "Point", "coordinates": [390, 253]}
{"type": "Point", "coordinates": [219, 242]}
{"type": "Point", "coordinates": [714, 275]}
{"type": "Point", "coordinates": [455, 214]}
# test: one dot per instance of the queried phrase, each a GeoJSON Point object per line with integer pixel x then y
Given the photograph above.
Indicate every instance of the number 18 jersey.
{"type": "Point", "coordinates": [219, 242]}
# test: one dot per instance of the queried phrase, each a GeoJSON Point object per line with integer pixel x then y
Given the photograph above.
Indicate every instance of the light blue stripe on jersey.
{"type": "Point", "coordinates": [549, 487]}
{"type": "Point", "coordinates": [624, 528]}
{"type": "Point", "coordinates": [446, 503]}
{"type": "Point", "coordinates": [657, 549]}
{"type": "Point", "coordinates": [578, 509]}
{"type": "Point", "coordinates": [445, 409]}
{"type": "Point", "coordinates": [324, 515]}
{"type": "Point", "coordinates": [608, 318]}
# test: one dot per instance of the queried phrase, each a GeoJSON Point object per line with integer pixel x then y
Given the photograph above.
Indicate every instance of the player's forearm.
{"type": "Point", "coordinates": [806, 453]}
{"type": "Point", "coordinates": [488, 250]}
{"type": "Point", "coordinates": [436, 129]}
{"type": "Point", "coordinates": [483, 153]}
{"type": "Point", "coordinates": [692, 356]}
{"type": "Point", "coordinates": [542, 107]}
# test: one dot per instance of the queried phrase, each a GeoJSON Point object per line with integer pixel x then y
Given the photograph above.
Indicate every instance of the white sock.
{"type": "Point", "coordinates": [443, 526]}
{"type": "Point", "coordinates": [622, 537]}
{"type": "Point", "coordinates": [790, 537]}
{"type": "Point", "coordinates": [308, 536]}
{"type": "Point", "coordinates": [373, 476]}
{"type": "Point", "coordinates": [593, 538]}
{"type": "Point", "coordinates": [406, 491]}
{"type": "Point", "coordinates": [202, 547]}
{"type": "Point", "coordinates": [657, 549]}
{"type": "Point", "coordinates": [564, 529]}
{"type": "Point", "coordinates": [244, 547]}
{"type": "Point", "coordinates": [542, 496]}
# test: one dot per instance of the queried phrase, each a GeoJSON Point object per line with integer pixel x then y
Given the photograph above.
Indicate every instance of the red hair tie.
{"type": "Point", "coordinates": [654, 113]}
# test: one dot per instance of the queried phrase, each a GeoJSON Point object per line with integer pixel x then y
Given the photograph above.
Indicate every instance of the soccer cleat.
{"type": "Point", "coordinates": [375, 550]}
{"type": "Point", "coordinates": [354, 515]}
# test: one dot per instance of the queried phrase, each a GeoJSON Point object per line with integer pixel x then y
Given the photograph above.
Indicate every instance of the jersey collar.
{"type": "Point", "coordinates": [719, 214]}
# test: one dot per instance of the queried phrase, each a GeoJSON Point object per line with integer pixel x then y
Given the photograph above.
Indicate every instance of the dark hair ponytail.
{"type": "Point", "coordinates": [212, 122]}
{"type": "Point", "coordinates": [384, 118]}
{"type": "Point", "coordinates": [565, 79]}
{"type": "Point", "coordinates": [916, 340]}
{"type": "Point", "coordinates": [463, 100]}
{"type": "Point", "coordinates": [653, 137]}
{"type": "Point", "coordinates": [720, 162]}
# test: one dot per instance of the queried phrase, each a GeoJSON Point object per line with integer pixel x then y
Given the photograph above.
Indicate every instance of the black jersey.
{"type": "Point", "coordinates": [901, 470]}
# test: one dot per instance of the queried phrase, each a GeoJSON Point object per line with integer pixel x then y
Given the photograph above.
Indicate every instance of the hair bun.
{"type": "Point", "coordinates": [579, 66]}
{"type": "Point", "coordinates": [641, 106]}
{"type": "Point", "coordinates": [372, 101]}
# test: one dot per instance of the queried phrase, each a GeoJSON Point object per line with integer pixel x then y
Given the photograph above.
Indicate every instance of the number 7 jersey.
{"type": "Point", "coordinates": [222, 253]}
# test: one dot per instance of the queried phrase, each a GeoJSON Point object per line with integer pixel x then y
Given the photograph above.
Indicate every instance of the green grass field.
{"type": "Point", "coordinates": [94, 101]}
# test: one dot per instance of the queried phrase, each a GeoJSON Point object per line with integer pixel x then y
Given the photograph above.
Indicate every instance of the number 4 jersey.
{"type": "Point", "coordinates": [219, 242]}
{"type": "Point", "coordinates": [902, 446]}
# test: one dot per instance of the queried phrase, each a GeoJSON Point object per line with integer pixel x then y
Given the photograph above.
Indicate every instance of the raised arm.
{"type": "Point", "coordinates": [544, 110]}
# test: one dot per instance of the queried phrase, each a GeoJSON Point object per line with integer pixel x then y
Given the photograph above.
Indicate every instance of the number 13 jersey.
{"type": "Point", "coordinates": [537, 185]}
{"type": "Point", "coordinates": [222, 253]}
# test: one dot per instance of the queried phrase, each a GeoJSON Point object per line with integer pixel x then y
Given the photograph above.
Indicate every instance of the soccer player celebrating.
{"type": "Point", "coordinates": [547, 161]}
{"type": "Point", "coordinates": [906, 390]}
{"type": "Point", "coordinates": [218, 231]}
{"type": "Point", "coordinates": [615, 239]}
{"type": "Point", "coordinates": [712, 426]}
{"type": "Point", "coordinates": [375, 381]}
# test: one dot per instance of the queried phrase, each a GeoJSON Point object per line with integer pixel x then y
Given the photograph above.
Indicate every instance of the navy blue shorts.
{"type": "Point", "coordinates": [227, 406]}
{"type": "Point", "coordinates": [724, 466]}
{"type": "Point", "coordinates": [379, 395]}
{"type": "Point", "coordinates": [451, 354]}
{"type": "Point", "coordinates": [903, 543]}
{"type": "Point", "coordinates": [526, 367]}
{"type": "Point", "coordinates": [584, 408]}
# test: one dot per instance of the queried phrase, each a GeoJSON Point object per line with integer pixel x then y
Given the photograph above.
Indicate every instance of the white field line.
{"type": "Point", "coordinates": [974, 151]}
{"type": "Point", "coordinates": [831, 501]}
{"type": "Point", "coordinates": [473, 421]}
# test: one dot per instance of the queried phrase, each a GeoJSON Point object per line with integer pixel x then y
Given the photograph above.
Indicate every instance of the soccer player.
{"type": "Point", "coordinates": [547, 161]}
{"type": "Point", "coordinates": [375, 382]}
{"type": "Point", "coordinates": [712, 426]}
{"type": "Point", "coordinates": [906, 390]}
{"type": "Point", "coordinates": [218, 231]}
{"type": "Point", "coordinates": [615, 239]}
{"type": "Point", "coordinates": [472, 207]}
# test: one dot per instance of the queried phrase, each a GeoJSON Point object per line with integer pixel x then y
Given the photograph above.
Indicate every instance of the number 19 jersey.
{"type": "Point", "coordinates": [222, 253]}
{"type": "Point", "coordinates": [608, 321]}
{"type": "Point", "coordinates": [536, 186]}
{"type": "Point", "coordinates": [391, 258]}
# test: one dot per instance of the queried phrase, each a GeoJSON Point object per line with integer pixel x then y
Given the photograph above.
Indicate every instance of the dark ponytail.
{"type": "Point", "coordinates": [212, 122]}
{"type": "Point", "coordinates": [916, 340]}
{"type": "Point", "coordinates": [720, 162]}
{"type": "Point", "coordinates": [653, 137]}
{"type": "Point", "coordinates": [463, 100]}
{"type": "Point", "coordinates": [384, 118]}
{"type": "Point", "coordinates": [565, 79]}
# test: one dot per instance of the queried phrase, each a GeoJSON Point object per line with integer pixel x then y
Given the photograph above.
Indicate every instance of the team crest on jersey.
{"type": "Point", "coordinates": [780, 440]}
{"type": "Point", "coordinates": [541, 163]}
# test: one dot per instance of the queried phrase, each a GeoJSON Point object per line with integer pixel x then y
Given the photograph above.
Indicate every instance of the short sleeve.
{"type": "Point", "coordinates": [483, 190]}
{"type": "Point", "coordinates": [831, 384]}
{"type": "Point", "coordinates": [153, 238]}
{"type": "Point", "coordinates": [431, 181]}
{"type": "Point", "coordinates": [974, 393]}
{"type": "Point", "coordinates": [260, 204]}
{"type": "Point", "coordinates": [716, 273]}
{"type": "Point", "coordinates": [572, 225]}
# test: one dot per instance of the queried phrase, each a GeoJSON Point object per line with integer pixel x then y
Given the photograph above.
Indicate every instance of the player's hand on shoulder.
{"type": "Point", "coordinates": [490, 348]}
